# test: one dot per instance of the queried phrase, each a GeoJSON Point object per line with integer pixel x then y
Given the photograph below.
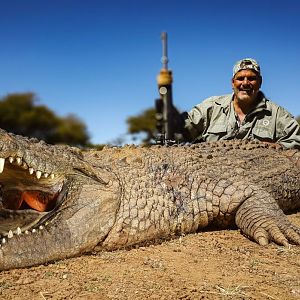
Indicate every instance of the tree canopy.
{"type": "Point", "coordinates": [20, 114]}
{"type": "Point", "coordinates": [144, 122]}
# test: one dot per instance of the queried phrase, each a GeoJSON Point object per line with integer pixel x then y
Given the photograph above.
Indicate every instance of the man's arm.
{"type": "Point", "coordinates": [288, 130]}
{"type": "Point", "coordinates": [194, 123]}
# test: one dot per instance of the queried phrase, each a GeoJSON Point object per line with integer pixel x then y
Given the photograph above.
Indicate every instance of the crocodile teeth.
{"type": "Point", "coordinates": [24, 166]}
{"type": "Point", "coordinates": [2, 161]}
{"type": "Point", "coordinates": [33, 230]}
{"type": "Point", "coordinates": [38, 174]}
{"type": "Point", "coordinates": [31, 170]}
{"type": "Point", "coordinates": [41, 227]}
{"type": "Point", "coordinates": [52, 176]}
{"type": "Point", "coordinates": [11, 159]}
{"type": "Point", "coordinates": [19, 161]}
{"type": "Point", "coordinates": [10, 234]}
{"type": "Point", "coordinates": [3, 241]}
{"type": "Point", "coordinates": [18, 231]}
{"type": "Point", "coordinates": [26, 232]}
{"type": "Point", "coordinates": [46, 175]}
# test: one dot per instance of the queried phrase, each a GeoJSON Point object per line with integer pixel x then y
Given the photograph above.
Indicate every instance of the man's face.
{"type": "Point", "coordinates": [246, 84]}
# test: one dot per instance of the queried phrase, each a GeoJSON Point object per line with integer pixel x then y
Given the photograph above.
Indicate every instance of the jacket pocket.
{"type": "Point", "coordinates": [218, 129]}
{"type": "Point", "coordinates": [262, 133]}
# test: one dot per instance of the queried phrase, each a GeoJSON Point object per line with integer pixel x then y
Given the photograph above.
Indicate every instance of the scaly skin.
{"type": "Point", "coordinates": [119, 197]}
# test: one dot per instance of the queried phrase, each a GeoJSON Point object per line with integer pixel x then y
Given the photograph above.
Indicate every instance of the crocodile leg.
{"type": "Point", "coordinates": [260, 218]}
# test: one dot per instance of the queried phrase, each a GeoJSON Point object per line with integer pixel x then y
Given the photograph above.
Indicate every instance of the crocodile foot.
{"type": "Point", "coordinates": [261, 219]}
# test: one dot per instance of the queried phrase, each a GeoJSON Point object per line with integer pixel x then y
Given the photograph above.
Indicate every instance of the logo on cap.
{"type": "Point", "coordinates": [245, 64]}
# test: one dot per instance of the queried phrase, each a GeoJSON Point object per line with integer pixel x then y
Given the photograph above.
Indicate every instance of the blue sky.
{"type": "Point", "coordinates": [99, 59]}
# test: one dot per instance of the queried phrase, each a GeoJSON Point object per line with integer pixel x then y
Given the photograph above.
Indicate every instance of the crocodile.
{"type": "Point", "coordinates": [58, 202]}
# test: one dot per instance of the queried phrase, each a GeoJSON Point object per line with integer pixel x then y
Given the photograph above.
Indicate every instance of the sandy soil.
{"type": "Point", "coordinates": [207, 265]}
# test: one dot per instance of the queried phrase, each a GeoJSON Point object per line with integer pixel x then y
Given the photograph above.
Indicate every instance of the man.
{"type": "Point", "coordinates": [245, 114]}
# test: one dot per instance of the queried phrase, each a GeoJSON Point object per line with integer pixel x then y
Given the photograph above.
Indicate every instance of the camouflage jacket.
{"type": "Point", "coordinates": [215, 119]}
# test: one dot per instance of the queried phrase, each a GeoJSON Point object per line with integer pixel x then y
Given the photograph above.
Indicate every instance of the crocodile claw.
{"type": "Point", "coordinates": [260, 218]}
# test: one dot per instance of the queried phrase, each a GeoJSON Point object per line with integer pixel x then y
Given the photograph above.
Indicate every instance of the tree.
{"type": "Point", "coordinates": [20, 114]}
{"type": "Point", "coordinates": [143, 123]}
{"type": "Point", "coordinates": [70, 130]}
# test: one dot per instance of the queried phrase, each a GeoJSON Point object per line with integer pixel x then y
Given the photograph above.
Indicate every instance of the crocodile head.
{"type": "Point", "coordinates": [42, 188]}
{"type": "Point", "coordinates": [31, 184]}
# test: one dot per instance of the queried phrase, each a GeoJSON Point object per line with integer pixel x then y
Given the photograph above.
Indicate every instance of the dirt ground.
{"type": "Point", "coordinates": [207, 265]}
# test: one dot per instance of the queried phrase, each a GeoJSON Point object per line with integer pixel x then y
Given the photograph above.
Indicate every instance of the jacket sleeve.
{"type": "Point", "coordinates": [197, 120]}
{"type": "Point", "coordinates": [194, 124]}
{"type": "Point", "coordinates": [287, 129]}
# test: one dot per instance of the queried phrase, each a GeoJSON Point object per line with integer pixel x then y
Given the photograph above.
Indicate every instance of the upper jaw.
{"type": "Point", "coordinates": [18, 161]}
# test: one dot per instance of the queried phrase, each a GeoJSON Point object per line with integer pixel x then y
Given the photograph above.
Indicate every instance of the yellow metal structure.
{"type": "Point", "coordinates": [164, 77]}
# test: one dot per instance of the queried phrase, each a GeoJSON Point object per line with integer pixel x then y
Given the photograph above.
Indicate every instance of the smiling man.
{"type": "Point", "coordinates": [244, 114]}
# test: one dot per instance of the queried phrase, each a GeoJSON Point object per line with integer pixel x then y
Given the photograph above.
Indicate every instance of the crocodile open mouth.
{"type": "Point", "coordinates": [27, 196]}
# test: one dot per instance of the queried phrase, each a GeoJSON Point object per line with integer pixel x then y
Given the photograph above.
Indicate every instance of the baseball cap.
{"type": "Point", "coordinates": [245, 64]}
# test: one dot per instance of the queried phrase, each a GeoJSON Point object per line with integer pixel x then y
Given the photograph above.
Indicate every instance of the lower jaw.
{"type": "Point", "coordinates": [245, 97]}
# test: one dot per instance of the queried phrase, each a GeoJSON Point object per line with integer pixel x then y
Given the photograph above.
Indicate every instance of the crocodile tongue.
{"type": "Point", "coordinates": [37, 200]}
